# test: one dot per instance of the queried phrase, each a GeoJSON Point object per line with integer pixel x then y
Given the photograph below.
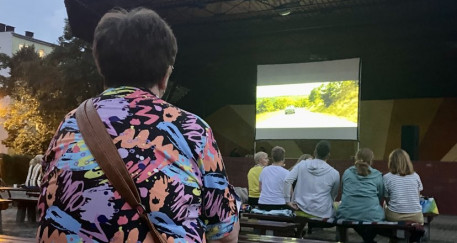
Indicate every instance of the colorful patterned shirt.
{"type": "Point", "coordinates": [173, 159]}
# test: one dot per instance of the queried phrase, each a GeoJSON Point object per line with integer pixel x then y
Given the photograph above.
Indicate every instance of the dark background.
{"type": "Point", "coordinates": [404, 54]}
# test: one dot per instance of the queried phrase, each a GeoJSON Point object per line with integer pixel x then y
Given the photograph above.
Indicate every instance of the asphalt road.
{"type": "Point", "coordinates": [303, 118]}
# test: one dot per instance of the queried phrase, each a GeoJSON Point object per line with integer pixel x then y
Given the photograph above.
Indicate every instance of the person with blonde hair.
{"type": "Point", "coordinates": [402, 189]}
{"type": "Point", "coordinates": [363, 189]}
{"type": "Point", "coordinates": [261, 160]}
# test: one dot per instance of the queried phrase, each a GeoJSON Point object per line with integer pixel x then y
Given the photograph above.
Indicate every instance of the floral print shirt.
{"type": "Point", "coordinates": [173, 159]}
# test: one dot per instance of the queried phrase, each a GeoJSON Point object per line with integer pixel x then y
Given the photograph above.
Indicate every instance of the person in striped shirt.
{"type": "Point", "coordinates": [402, 189]}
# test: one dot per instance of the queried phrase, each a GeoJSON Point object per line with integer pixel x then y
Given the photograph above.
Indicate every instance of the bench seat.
{"type": "Point", "coordinates": [268, 227]}
{"type": "Point", "coordinates": [25, 206]}
{"type": "Point", "coordinates": [273, 239]}
{"type": "Point", "coordinates": [393, 230]}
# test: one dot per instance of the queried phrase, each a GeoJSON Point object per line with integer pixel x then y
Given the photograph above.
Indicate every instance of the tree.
{"type": "Point", "coordinates": [28, 132]}
{"type": "Point", "coordinates": [44, 90]}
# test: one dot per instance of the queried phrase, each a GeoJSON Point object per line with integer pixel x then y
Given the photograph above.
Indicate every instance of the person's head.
{"type": "Point", "coordinates": [399, 163]}
{"type": "Point", "coordinates": [302, 157]}
{"type": "Point", "coordinates": [261, 158]}
{"type": "Point", "coordinates": [278, 154]}
{"type": "Point", "coordinates": [36, 160]}
{"type": "Point", "coordinates": [322, 150]}
{"type": "Point", "coordinates": [134, 48]}
{"type": "Point", "coordinates": [363, 161]}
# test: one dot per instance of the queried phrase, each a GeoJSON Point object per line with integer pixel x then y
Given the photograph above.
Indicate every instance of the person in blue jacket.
{"type": "Point", "coordinates": [363, 190]}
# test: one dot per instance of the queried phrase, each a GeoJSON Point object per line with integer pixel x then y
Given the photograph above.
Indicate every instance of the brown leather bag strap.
{"type": "Point", "coordinates": [105, 153]}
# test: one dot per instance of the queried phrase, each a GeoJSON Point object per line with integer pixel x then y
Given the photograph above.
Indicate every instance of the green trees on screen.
{"type": "Point", "coordinates": [334, 98]}
{"type": "Point", "coordinates": [337, 98]}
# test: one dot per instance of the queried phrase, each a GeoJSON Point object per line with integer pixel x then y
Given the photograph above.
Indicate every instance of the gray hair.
{"type": "Point", "coordinates": [259, 155]}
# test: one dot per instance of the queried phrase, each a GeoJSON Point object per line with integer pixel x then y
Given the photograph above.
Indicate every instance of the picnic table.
{"type": "Point", "coordinates": [25, 205]}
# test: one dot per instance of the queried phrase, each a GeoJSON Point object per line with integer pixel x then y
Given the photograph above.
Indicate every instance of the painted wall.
{"type": "Point", "coordinates": [380, 129]}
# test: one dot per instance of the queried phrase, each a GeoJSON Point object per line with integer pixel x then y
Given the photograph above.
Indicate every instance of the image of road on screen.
{"type": "Point", "coordinates": [308, 105]}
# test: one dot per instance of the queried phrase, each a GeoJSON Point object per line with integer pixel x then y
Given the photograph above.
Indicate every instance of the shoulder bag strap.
{"type": "Point", "coordinates": [105, 153]}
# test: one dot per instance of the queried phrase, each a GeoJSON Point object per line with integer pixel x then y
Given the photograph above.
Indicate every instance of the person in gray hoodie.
{"type": "Point", "coordinates": [317, 185]}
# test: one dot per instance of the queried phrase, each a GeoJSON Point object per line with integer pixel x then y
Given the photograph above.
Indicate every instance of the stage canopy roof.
{"type": "Point", "coordinates": [84, 14]}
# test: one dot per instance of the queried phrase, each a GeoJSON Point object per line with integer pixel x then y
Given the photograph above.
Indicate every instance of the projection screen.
{"type": "Point", "coordinates": [315, 100]}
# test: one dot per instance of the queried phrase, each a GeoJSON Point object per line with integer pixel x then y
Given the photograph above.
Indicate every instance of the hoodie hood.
{"type": "Point", "coordinates": [374, 173]}
{"type": "Point", "coordinates": [317, 167]}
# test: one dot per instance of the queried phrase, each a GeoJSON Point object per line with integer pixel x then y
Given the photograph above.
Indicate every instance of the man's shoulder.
{"type": "Point", "coordinates": [333, 170]}
{"type": "Point", "coordinates": [284, 170]}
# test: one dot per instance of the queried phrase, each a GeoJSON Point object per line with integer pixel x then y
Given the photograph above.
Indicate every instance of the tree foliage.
{"type": "Point", "coordinates": [337, 98]}
{"type": "Point", "coordinates": [271, 104]}
{"type": "Point", "coordinates": [28, 132]}
{"type": "Point", "coordinates": [43, 90]}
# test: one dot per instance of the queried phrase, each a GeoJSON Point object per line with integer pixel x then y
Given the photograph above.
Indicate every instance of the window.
{"type": "Point", "coordinates": [41, 53]}
{"type": "Point", "coordinates": [22, 46]}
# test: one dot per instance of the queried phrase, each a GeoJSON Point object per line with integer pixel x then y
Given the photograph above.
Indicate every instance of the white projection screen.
{"type": "Point", "coordinates": [315, 100]}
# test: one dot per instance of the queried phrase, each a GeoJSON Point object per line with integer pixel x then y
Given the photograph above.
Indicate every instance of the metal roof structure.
{"type": "Point", "coordinates": [84, 14]}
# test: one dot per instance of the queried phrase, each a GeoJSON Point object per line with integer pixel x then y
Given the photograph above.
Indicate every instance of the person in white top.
{"type": "Point", "coordinates": [272, 182]}
{"type": "Point", "coordinates": [317, 185]}
{"type": "Point", "coordinates": [402, 189]}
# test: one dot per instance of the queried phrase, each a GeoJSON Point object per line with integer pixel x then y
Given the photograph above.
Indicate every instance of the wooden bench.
{"type": "Point", "coordinates": [428, 218]}
{"type": "Point", "coordinates": [25, 206]}
{"type": "Point", "coordinates": [276, 239]}
{"type": "Point", "coordinates": [4, 204]}
{"type": "Point", "coordinates": [401, 231]}
{"type": "Point", "coordinates": [391, 230]}
{"type": "Point", "coordinates": [268, 227]}
{"type": "Point", "coordinates": [302, 221]}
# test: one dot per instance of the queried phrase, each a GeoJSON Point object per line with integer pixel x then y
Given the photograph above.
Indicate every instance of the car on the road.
{"type": "Point", "coordinates": [289, 110]}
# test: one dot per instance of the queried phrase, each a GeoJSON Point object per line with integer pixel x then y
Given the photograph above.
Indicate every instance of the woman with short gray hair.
{"type": "Point", "coordinates": [170, 153]}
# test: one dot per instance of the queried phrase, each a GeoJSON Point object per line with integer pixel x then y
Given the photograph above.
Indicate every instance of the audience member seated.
{"type": "Point", "coordinates": [261, 160]}
{"type": "Point", "coordinates": [402, 189]}
{"type": "Point", "coordinates": [34, 174]}
{"type": "Point", "coordinates": [300, 159]}
{"type": "Point", "coordinates": [272, 182]}
{"type": "Point", "coordinates": [317, 185]}
{"type": "Point", "coordinates": [363, 189]}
